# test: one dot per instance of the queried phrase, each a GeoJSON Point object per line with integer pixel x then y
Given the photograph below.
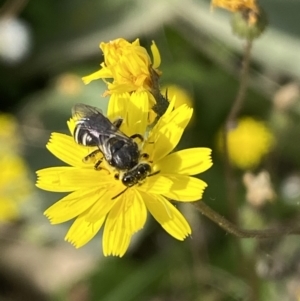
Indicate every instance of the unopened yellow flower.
{"type": "Point", "coordinates": [127, 66]}
{"type": "Point", "coordinates": [97, 197]}
{"type": "Point", "coordinates": [248, 142]}
{"type": "Point", "coordinates": [236, 5]}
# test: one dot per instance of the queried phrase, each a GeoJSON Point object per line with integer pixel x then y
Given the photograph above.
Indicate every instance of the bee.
{"type": "Point", "coordinates": [121, 152]}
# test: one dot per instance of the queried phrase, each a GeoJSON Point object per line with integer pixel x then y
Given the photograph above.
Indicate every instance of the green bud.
{"type": "Point", "coordinates": [249, 24]}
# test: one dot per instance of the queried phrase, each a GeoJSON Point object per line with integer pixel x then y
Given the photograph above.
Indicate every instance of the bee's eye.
{"type": "Point", "coordinates": [128, 180]}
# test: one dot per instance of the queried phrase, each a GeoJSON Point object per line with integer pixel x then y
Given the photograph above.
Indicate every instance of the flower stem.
{"type": "Point", "coordinates": [243, 233]}
{"type": "Point", "coordinates": [229, 124]}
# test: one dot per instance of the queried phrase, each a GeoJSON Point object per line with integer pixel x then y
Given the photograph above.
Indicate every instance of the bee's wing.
{"type": "Point", "coordinates": [82, 111]}
{"type": "Point", "coordinates": [91, 118]}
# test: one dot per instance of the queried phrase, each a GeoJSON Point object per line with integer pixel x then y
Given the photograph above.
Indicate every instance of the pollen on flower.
{"type": "Point", "coordinates": [248, 142]}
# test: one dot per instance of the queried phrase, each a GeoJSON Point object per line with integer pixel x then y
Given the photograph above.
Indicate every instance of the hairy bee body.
{"type": "Point", "coordinates": [93, 129]}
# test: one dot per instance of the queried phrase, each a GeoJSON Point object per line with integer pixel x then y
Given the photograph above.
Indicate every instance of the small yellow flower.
{"type": "Point", "coordinates": [127, 65]}
{"type": "Point", "coordinates": [248, 142]}
{"type": "Point", "coordinates": [97, 198]}
{"type": "Point", "coordinates": [14, 186]}
{"type": "Point", "coordinates": [9, 138]}
{"type": "Point", "coordinates": [236, 5]}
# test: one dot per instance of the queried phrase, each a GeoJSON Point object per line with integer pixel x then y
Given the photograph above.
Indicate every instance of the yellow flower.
{"type": "Point", "coordinates": [248, 142]}
{"type": "Point", "coordinates": [127, 65]}
{"type": "Point", "coordinates": [97, 197]}
{"type": "Point", "coordinates": [236, 5]}
{"type": "Point", "coordinates": [14, 186]}
{"type": "Point", "coordinates": [9, 137]}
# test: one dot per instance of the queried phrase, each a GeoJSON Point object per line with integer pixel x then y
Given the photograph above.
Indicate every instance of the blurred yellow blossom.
{"type": "Point", "coordinates": [9, 136]}
{"type": "Point", "coordinates": [98, 198]}
{"type": "Point", "coordinates": [14, 183]}
{"type": "Point", "coordinates": [14, 186]}
{"type": "Point", "coordinates": [180, 94]}
{"type": "Point", "coordinates": [236, 5]}
{"type": "Point", "coordinates": [248, 142]}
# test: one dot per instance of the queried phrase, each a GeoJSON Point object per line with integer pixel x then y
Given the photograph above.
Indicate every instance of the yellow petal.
{"type": "Point", "coordinates": [136, 212]}
{"type": "Point", "coordinates": [71, 125]}
{"type": "Point", "coordinates": [65, 178]}
{"type": "Point", "coordinates": [180, 116]}
{"type": "Point", "coordinates": [67, 150]}
{"type": "Point", "coordinates": [115, 237]}
{"type": "Point", "coordinates": [188, 162]}
{"type": "Point", "coordinates": [81, 231]}
{"type": "Point", "coordinates": [167, 133]}
{"type": "Point", "coordinates": [185, 188]}
{"type": "Point", "coordinates": [133, 109]}
{"type": "Point", "coordinates": [102, 73]}
{"type": "Point", "coordinates": [163, 142]}
{"type": "Point", "coordinates": [156, 184]}
{"type": "Point", "coordinates": [156, 55]}
{"type": "Point", "coordinates": [136, 119]}
{"type": "Point", "coordinates": [73, 205]}
{"type": "Point", "coordinates": [104, 204]}
{"type": "Point", "coordinates": [117, 105]}
{"type": "Point", "coordinates": [167, 215]}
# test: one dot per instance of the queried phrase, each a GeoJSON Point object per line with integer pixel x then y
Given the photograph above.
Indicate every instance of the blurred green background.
{"type": "Point", "coordinates": [46, 47]}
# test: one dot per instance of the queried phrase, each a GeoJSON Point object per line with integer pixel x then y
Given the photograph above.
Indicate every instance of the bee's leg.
{"type": "Point", "coordinates": [137, 136]}
{"type": "Point", "coordinates": [117, 123]}
{"type": "Point", "coordinates": [93, 154]}
{"type": "Point", "coordinates": [89, 158]}
{"type": "Point", "coordinates": [97, 164]}
{"type": "Point", "coordinates": [145, 156]}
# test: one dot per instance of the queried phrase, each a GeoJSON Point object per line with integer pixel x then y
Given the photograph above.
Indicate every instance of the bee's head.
{"type": "Point", "coordinates": [136, 174]}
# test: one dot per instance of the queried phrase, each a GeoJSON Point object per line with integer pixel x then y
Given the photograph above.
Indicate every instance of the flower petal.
{"type": "Point", "coordinates": [105, 203]}
{"type": "Point", "coordinates": [102, 73]}
{"type": "Point", "coordinates": [115, 239]}
{"type": "Point", "coordinates": [65, 178]}
{"type": "Point", "coordinates": [81, 231]}
{"type": "Point", "coordinates": [164, 141]}
{"type": "Point", "coordinates": [133, 109]}
{"type": "Point", "coordinates": [136, 212]}
{"type": "Point", "coordinates": [185, 188]}
{"type": "Point", "coordinates": [167, 133]}
{"type": "Point", "coordinates": [156, 184]}
{"type": "Point", "coordinates": [167, 215]}
{"type": "Point", "coordinates": [67, 150]}
{"type": "Point", "coordinates": [188, 162]}
{"type": "Point", "coordinates": [117, 105]}
{"type": "Point", "coordinates": [156, 56]}
{"type": "Point", "coordinates": [73, 205]}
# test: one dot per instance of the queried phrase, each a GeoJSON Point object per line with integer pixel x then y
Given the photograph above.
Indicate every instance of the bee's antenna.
{"type": "Point", "coordinates": [119, 193]}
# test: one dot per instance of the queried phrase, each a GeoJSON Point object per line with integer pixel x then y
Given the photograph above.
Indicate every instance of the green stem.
{"type": "Point", "coordinates": [244, 233]}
